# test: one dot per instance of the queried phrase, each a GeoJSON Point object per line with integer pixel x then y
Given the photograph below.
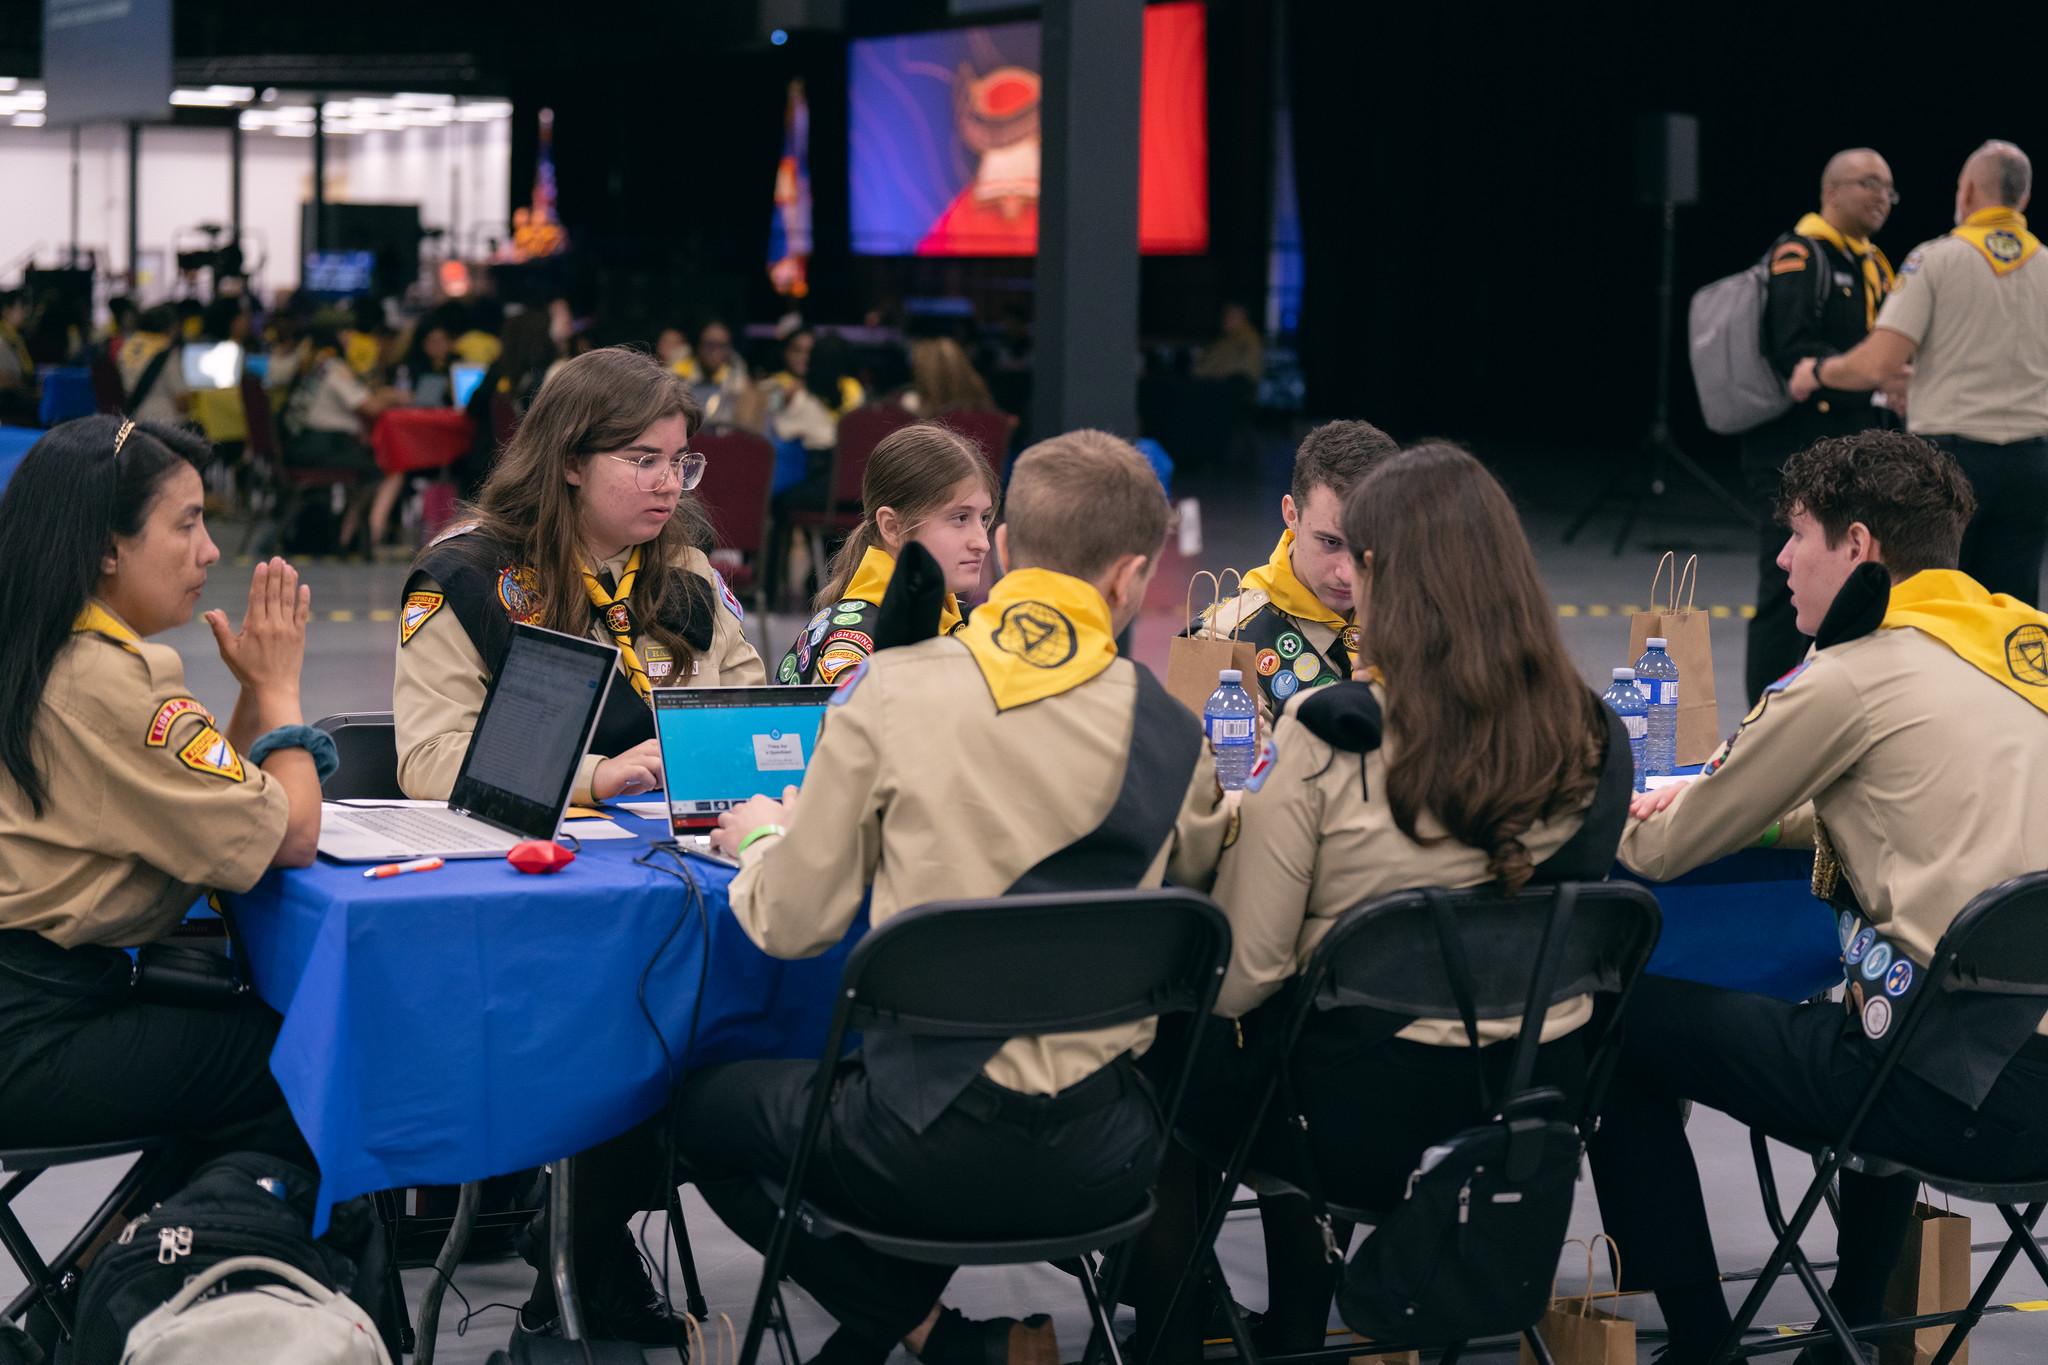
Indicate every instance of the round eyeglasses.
{"type": "Point", "coordinates": [650, 472]}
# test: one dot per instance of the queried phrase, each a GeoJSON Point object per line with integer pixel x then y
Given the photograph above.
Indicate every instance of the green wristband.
{"type": "Point", "coordinates": [1769, 840]}
{"type": "Point", "coordinates": [765, 829]}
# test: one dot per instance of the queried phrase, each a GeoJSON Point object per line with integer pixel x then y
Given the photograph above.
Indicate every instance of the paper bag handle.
{"type": "Point", "coordinates": [1237, 620]}
{"type": "Point", "coordinates": [1586, 1299]}
{"type": "Point", "coordinates": [1671, 558]}
{"type": "Point", "coordinates": [1689, 580]}
{"type": "Point", "coordinates": [1215, 601]}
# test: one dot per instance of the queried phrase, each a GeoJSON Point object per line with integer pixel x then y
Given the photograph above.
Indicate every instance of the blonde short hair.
{"type": "Point", "coordinates": [1080, 501]}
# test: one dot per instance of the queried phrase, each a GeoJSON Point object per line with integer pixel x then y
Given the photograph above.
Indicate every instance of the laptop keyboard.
{"type": "Point", "coordinates": [429, 828]}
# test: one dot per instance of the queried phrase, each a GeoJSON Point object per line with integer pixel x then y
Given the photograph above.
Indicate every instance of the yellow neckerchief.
{"type": "Point", "coordinates": [97, 618]}
{"type": "Point", "coordinates": [871, 580]}
{"type": "Point", "coordinates": [2001, 234]}
{"type": "Point", "coordinates": [14, 343]}
{"type": "Point", "coordinates": [1276, 579]}
{"type": "Point", "coordinates": [617, 616]}
{"type": "Point", "coordinates": [1877, 271]}
{"type": "Point", "coordinates": [2001, 636]}
{"type": "Point", "coordinates": [1039, 634]}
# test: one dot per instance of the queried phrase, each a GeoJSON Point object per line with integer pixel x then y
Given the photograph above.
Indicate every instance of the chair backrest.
{"type": "Point", "coordinates": [1017, 966]}
{"type": "Point", "coordinates": [367, 743]}
{"type": "Point", "coordinates": [256, 416]}
{"type": "Point", "coordinates": [1386, 953]}
{"type": "Point", "coordinates": [860, 431]}
{"type": "Point", "coordinates": [988, 429]}
{"type": "Point", "coordinates": [504, 419]}
{"type": "Point", "coordinates": [107, 389]}
{"type": "Point", "coordinates": [739, 473]}
{"type": "Point", "coordinates": [1997, 940]}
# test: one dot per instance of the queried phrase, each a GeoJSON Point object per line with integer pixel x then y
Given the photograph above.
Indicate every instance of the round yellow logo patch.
{"type": "Point", "coordinates": [1038, 634]}
{"type": "Point", "coordinates": [2026, 655]}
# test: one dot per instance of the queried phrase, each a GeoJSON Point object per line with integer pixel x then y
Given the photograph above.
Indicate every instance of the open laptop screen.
{"type": "Point", "coordinates": [721, 745]}
{"type": "Point", "coordinates": [533, 730]}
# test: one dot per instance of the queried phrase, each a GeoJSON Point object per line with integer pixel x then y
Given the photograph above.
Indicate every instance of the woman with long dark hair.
{"type": "Point", "coordinates": [923, 483]}
{"type": "Point", "coordinates": [588, 508]}
{"type": "Point", "coordinates": [122, 797]}
{"type": "Point", "coordinates": [1492, 755]}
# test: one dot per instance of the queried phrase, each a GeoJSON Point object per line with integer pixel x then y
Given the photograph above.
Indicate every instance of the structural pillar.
{"type": "Point", "coordinates": [75, 132]}
{"type": "Point", "coordinates": [1085, 347]}
{"type": "Point", "coordinates": [235, 181]}
{"type": "Point", "coordinates": [319, 171]}
{"type": "Point", "coordinates": [134, 206]}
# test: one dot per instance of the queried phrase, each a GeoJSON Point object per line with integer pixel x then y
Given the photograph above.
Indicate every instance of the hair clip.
{"type": "Point", "coordinates": [122, 435]}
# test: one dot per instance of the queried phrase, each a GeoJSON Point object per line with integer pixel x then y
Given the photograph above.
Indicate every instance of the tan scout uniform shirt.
{"type": "Point", "coordinates": [146, 806]}
{"type": "Point", "coordinates": [1981, 370]}
{"type": "Point", "coordinates": [1932, 780]}
{"type": "Point", "coordinates": [438, 690]}
{"type": "Point", "coordinates": [920, 787]}
{"type": "Point", "coordinates": [1310, 846]}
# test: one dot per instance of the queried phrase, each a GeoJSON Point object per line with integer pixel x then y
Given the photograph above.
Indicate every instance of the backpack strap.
{"type": "Point", "coordinates": [143, 385]}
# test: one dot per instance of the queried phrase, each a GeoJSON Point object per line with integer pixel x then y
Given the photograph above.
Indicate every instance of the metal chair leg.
{"type": "Point", "coordinates": [42, 1285]}
{"type": "Point", "coordinates": [785, 1339]}
{"type": "Point", "coordinates": [1537, 1346]}
{"type": "Point", "coordinates": [1219, 1287]}
{"type": "Point", "coordinates": [1103, 1314]}
{"type": "Point", "coordinates": [679, 1233]}
{"type": "Point", "coordinates": [1786, 1252]}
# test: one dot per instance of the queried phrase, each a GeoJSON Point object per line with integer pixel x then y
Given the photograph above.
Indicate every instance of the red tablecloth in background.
{"type": "Point", "coordinates": [406, 439]}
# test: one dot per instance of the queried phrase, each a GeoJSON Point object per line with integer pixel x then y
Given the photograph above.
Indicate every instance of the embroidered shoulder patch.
{"type": "Point", "coordinates": [725, 595]}
{"type": "Point", "coordinates": [847, 684]}
{"type": "Point", "coordinates": [210, 752]}
{"type": "Point", "coordinates": [160, 724]}
{"type": "Point", "coordinates": [419, 609]}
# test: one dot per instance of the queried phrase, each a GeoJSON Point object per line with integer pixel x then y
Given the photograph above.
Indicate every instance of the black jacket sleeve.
{"type": "Point", "coordinates": [1792, 325]}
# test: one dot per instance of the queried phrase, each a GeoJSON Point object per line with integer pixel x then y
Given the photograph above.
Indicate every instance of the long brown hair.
{"type": "Point", "coordinates": [1490, 727]}
{"type": "Point", "coordinates": [600, 401]}
{"type": "Point", "coordinates": [913, 471]}
{"type": "Point", "coordinates": [945, 379]}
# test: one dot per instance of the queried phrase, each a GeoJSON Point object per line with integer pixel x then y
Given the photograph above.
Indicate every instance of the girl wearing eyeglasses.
{"type": "Point", "coordinates": [586, 525]}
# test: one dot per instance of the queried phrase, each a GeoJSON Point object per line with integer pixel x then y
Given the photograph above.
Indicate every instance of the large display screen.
{"type": "Point", "coordinates": [943, 139]}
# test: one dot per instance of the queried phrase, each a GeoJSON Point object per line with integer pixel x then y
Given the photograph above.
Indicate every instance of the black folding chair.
{"type": "Point", "coordinates": [1995, 945]}
{"type": "Point", "coordinates": [1013, 966]}
{"type": "Point", "coordinates": [367, 744]}
{"type": "Point", "coordinates": [1386, 955]}
{"type": "Point", "coordinates": [53, 1284]}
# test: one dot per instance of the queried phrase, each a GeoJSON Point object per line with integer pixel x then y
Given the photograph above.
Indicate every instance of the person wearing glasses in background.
{"type": "Point", "coordinates": [1827, 281]}
{"type": "Point", "coordinates": [585, 525]}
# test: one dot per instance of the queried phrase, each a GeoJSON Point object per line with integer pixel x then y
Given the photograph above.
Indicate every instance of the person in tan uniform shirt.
{"type": "Point", "coordinates": [124, 798]}
{"type": "Point", "coordinates": [1963, 345]}
{"type": "Point", "coordinates": [969, 765]}
{"type": "Point", "coordinates": [1911, 750]}
{"type": "Point", "coordinates": [1341, 810]}
{"type": "Point", "coordinates": [591, 493]}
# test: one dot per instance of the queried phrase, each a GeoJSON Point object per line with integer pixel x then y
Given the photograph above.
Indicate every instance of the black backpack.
{"type": "Point", "coordinates": [1472, 1248]}
{"type": "Point", "coordinates": [242, 1204]}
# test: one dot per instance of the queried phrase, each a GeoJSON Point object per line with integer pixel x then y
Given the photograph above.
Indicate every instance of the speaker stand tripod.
{"type": "Point", "coordinates": [1647, 476]}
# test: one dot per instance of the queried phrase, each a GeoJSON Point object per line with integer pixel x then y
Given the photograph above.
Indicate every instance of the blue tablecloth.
{"type": "Point", "coordinates": [445, 1026]}
{"type": "Point", "coordinates": [1748, 922]}
{"type": "Point", "coordinates": [14, 443]}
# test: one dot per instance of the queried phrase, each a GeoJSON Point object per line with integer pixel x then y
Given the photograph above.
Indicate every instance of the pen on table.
{"type": "Point", "coordinates": [393, 869]}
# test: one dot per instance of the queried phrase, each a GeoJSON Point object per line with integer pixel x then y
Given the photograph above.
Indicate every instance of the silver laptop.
{"type": "Point", "coordinates": [537, 721]}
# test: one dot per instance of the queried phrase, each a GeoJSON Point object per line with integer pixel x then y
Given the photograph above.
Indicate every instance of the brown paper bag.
{"type": "Point", "coordinates": [1576, 1332]}
{"type": "Point", "coordinates": [1192, 662]}
{"type": "Point", "coordinates": [1933, 1276]}
{"type": "Point", "coordinates": [1684, 630]}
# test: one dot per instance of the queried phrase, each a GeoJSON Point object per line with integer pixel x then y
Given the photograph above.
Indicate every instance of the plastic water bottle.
{"type": "Point", "coordinates": [1628, 702]}
{"type": "Point", "coordinates": [1232, 721]}
{"type": "Point", "coordinates": [1657, 679]}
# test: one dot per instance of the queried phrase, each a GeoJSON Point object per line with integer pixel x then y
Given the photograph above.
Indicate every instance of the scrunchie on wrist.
{"type": "Point", "coordinates": [315, 741]}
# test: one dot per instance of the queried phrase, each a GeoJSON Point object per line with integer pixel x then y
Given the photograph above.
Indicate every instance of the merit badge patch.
{"type": "Point", "coordinates": [1288, 644]}
{"type": "Point", "coordinates": [210, 752]}
{"type": "Point", "coordinates": [658, 660]}
{"type": "Point", "coordinates": [1268, 663]}
{"type": "Point", "coordinates": [1877, 1017]}
{"type": "Point", "coordinates": [160, 724]}
{"type": "Point", "coordinates": [1307, 666]}
{"type": "Point", "coordinates": [419, 609]}
{"type": "Point", "coordinates": [833, 662]}
{"type": "Point", "coordinates": [847, 684]}
{"type": "Point", "coordinates": [1285, 685]}
{"type": "Point", "coordinates": [789, 670]}
{"type": "Point", "coordinates": [725, 595]}
{"type": "Point", "coordinates": [1859, 945]}
{"type": "Point", "coordinates": [1901, 979]}
{"type": "Point", "coordinates": [817, 622]}
{"type": "Point", "coordinates": [1036, 633]}
{"type": "Point", "coordinates": [1877, 961]}
{"type": "Point", "coordinates": [519, 594]}
{"type": "Point", "coordinates": [818, 628]}
{"type": "Point", "coordinates": [803, 653]}
{"type": "Point", "coordinates": [2026, 655]}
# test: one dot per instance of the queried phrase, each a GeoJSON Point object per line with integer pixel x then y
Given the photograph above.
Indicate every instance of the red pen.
{"type": "Point", "coordinates": [393, 869]}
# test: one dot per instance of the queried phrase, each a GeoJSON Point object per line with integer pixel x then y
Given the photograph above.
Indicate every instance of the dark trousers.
{"type": "Point", "coordinates": [1372, 1105]}
{"type": "Point", "coordinates": [2002, 547]}
{"type": "Point", "coordinates": [1774, 645]}
{"type": "Point", "coordinates": [140, 1070]}
{"type": "Point", "coordinates": [996, 1164]}
{"type": "Point", "coordinates": [1796, 1072]}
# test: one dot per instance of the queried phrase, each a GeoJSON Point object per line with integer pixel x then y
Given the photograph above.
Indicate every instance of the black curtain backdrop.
{"type": "Point", "coordinates": [1478, 264]}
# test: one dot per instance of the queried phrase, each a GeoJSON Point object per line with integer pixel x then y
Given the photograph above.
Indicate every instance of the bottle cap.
{"type": "Point", "coordinates": [1655, 642]}
{"type": "Point", "coordinates": [1624, 675]}
{"type": "Point", "coordinates": [1231, 675]}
